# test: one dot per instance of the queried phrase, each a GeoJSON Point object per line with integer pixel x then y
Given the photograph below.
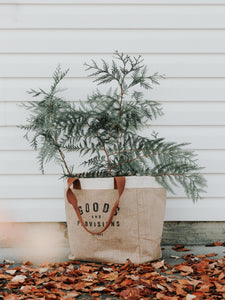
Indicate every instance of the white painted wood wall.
{"type": "Point", "coordinates": [183, 39]}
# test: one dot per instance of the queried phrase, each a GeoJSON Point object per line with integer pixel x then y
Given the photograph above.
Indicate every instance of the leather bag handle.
{"type": "Point", "coordinates": [119, 183]}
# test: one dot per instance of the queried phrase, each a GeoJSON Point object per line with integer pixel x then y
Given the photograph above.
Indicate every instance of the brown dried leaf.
{"type": "Point", "coordinates": [73, 294]}
{"type": "Point", "coordinates": [186, 269]}
{"type": "Point", "coordinates": [27, 263]}
{"type": "Point", "coordinates": [199, 295]}
{"type": "Point", "coordinates": [19, 279]}
{"type": "Point", "coordinates": [126, 282]}
{"type": "Point", "coordinates": [43, 270]}
{"type": "Point", "coordinates": [110, 276]}
{"type": "Point", "coordinates": [50, 297]}
{"type": "Point", "coordinates": [29, 289]}
{"type": "Point", "coordinates": [5, 276]}
{"type": "Point", "coordinates": [158, 265]}
{"type": "Point", "coordinates": [41, 281]}
{"type": "Point", "coordinates": [85, 269]}
{"type": "Point", "coordinates": [201, 266]}
{"type": "Point", "coordinates": [219, 287]}
{"type": "Point", "coordinates": [99, 289]}
{"type": "Point", "coordinates": [180, 248]}
{"type": "Point", "coordinates": [211, 254]}
{"type": "Point", "coordinates": [130, 292]}
{"type": "Point", "coordinates": [180, 291]}
{"type": "Point", "coordinates": [65, 286]}
{"type": "Point", "coordinates": [164, 297]}
{"type": "Point", "coordinates": [11, 272]}
{"type": "Point", "coordinates": [80, 286]}
{"type": "Point", "coordinates": [11, 297]}
{"type": "Point", "coordinates": [215, 244]}
{"type": "Point", "coordinates": [204, 288]}
{"type": "Point", "coordinates": [221, 276]}
{"type": "Point", "coordinates": [160, 287]}
{"type": "Point", "coordinates": [133, 277]}
{"type": "Point", "coordinates": [190, 297]}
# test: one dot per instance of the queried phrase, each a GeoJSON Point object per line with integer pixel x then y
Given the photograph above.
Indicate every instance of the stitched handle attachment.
{"type": "Point", "coordinates": [119, 183]}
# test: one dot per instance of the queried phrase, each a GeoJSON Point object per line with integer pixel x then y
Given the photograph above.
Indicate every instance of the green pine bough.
{"type": "Point", "coordinates": [107, 129]}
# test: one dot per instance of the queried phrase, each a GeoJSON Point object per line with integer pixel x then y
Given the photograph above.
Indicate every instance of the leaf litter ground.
{"type": "Point", "coordinates": [200, 276]}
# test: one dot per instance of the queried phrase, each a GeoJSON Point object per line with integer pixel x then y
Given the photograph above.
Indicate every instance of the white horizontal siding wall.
{"type": "Point", "coordinates": [183, 39]}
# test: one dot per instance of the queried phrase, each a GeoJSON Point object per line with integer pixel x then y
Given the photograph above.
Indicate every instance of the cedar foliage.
{"type": "Point", "coordinates": [107, 127]}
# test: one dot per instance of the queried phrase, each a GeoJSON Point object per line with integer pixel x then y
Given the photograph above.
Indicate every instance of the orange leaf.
{"type": "Point", "coordinates": [65, 286]}
{"type": "Point", "coordinates": [169, 288]}
{"type": "Point", "coordinates": [215, 244]}
{"type": "Point", "coordinates": [79, 286]}
{"type": "Point", "coordinates": [26, 289]}
{"type": "Point", "coordinates": [183, 249]}
{"type": "Point", "coordinates": [180, 291]}
{"type": "Point", "coordinates": [85, 269]}
{"type": "Point", "coordinates": [50, 297]}
{"type": "Point", "coordinates": [201, 267]}
{"type": "Point", "coordinates": [11, 297]}
{"type": "Point", "coordinates": [204, 288]}
{"type": "Point", "coordinates": [72, 295]}
{"type": "Point", "coordinates": [164, 297]}
{"type": "Point", "coordinates": [211, 254]}
{"type": "Point", "coordinates": [219, 287]}
{"type": "Point", "coordinates": [130, 292]}
{"type": "Point", "coordinates": [126, 265]}
{"type": "Point", "coordinates": [221, 276]}
{"type": "Point", "coordinates": [205, 278]}
{"type": "Point", "coordinates": [199, 295]}
{"type": "Point", "coordinates": [110, 276]}
{"type": "Point", "coordinates": [186, 269]}
{"type": "Point", "coordinates": [126, 282]}
{"type": "Point", "coordinates": [4, 276]}
{"type": "Point", "coordinates": [158, 265]}
{"type": "Point", "coordinates": [180, 248]}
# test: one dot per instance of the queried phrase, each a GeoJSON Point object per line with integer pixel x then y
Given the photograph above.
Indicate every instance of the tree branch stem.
{"type": "Point", "coordinates": [59, 150]}
{"type": "Point", "coordinates": [108, 161]}
{"type": "Point", "coordinates": [121, 101]}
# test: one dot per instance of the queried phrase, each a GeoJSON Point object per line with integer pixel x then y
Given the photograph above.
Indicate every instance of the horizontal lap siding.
{"type": "Point", "coordinates": [174, 66]}
{"type": "Point", "coordinates": [89, 41]}
{"type": "Point", "coordinates": [91, 17]}
{"type": "Point", "coordinates": [201, 137]}
{"type": "Point", "coordinates": [172, 89]}
{"type": "Point", "coordinates": [182, 39]}
{"type": "Point", "coordinates": [25, 162]}
{"type": "Point", "coordinates": [115, 2]}
{"type": "Point", "coordinates": [11, 114]}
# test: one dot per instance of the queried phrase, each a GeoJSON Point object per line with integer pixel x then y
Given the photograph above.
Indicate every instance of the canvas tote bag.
{"type": "Point", "coordinates": [113, 219]}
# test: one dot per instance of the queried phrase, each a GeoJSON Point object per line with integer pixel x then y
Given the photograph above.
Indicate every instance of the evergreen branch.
{"type": "Point", "coordinates": [106, 153]}
{"type": "Point", "coordinates": [133, 159]}
{"type": "Point", "coordinates": [105, 127]}
{"type": "Point", "coordinates": [121, 100]}
{"type": "Point", "coordinates": [108, 161]}
{"type": "Point", "coordinates": [129, 150]}
{"type": "Point", "coordinates": [109, 134]}
{"type": "Point", "coordinates": [61, 155]}
{"type": "Point", "coordinates": [58, 77]}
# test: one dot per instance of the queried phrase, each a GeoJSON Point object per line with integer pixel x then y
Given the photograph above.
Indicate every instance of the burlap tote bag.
{"type": "Point", "coordinates": [113, 219]}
